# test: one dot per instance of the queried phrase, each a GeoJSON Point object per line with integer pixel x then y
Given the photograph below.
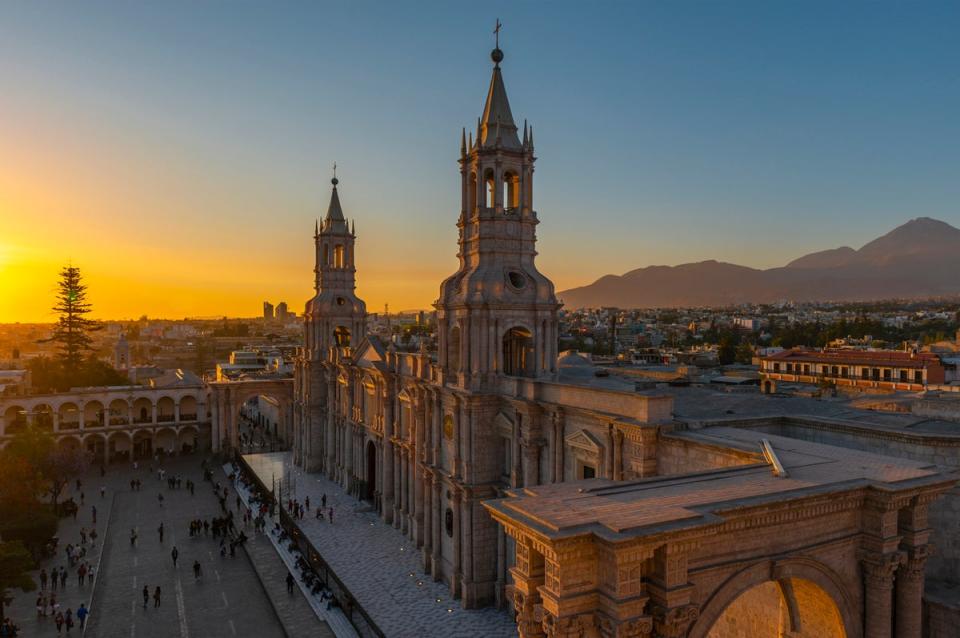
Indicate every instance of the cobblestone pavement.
{"type": "Point", "coordinates": [378, 564]}
{"type": "Point", "coordinates": [229, 599]}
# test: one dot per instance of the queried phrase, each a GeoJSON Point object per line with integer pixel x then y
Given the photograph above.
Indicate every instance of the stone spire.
{"type": "Point", "coordinates": [497, 119]}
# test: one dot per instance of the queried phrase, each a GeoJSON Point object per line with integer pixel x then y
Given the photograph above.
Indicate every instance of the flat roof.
{"type": "Point", "coordinates": [619, 510]}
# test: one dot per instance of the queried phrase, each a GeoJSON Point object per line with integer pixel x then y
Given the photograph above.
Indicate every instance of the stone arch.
{"type": "Point", "coordinates": [518, 352]}
{"type": "Point", "coordinates": [472, 193]}
{"type": "Point", "coordinates": [119, 445]}
{"type": "Point", "coordinates": [142, 410]}
{"type": "Point", "coordinates": [187, 438]}
{"type": "Point", "coordinates": [43, 417]}
{"type": "Point", "coordinates": [165, 439]}
{"type": "Point", "coordinates": [14, 419]}
{"type": "Point", "coordinates": [68, 416]}
{"type": "Point", "coordinates": [93, 414]}
{"type": "Point", "coordinates": [118, 412]}
{"type": "Point", "coordinates": [800, 583]}
{"type": "Point", "coordinates": [95, 445]}
{"type": "Point", "coordinates": [188, 408]}
{"type": "Point", "coordinates": [489, 188]}
{"type": "Point", "coordinates": [166, 409]}
{"type": "Point", "coordinates": [142, 444]}
{"type": "Point", "coordinates": [511, 190]}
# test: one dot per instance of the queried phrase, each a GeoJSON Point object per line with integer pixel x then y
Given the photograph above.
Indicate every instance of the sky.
{"type": "Point", "coordinates": [179, 152]}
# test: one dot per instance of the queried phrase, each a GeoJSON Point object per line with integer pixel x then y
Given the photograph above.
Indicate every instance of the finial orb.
{"type": "Point", "coordinates": [334, 181]}
{"type": "Point", "coordinates": [496, 55]}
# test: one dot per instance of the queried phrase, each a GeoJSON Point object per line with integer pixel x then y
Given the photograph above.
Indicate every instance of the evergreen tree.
{"type": "Point", "coordinates": [72, 331]}
{"type": "Point", "coordinates": [15, 565]}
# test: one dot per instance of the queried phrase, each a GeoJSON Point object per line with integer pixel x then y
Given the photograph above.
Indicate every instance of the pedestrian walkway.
{"type": "Point", "coordinates": [377, 563]}
{"type": "Point", "coordinates": [301, 613]}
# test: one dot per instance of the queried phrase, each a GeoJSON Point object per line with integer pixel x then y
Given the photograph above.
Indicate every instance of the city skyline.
{"type": "Point", "coordinates": [178, 198]}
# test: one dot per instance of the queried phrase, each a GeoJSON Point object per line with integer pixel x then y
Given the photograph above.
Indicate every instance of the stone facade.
{"type": "Point", "coordinates": [427, 437]}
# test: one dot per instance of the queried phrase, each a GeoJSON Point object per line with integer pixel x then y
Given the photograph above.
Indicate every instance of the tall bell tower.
{"type": "Point", "coordinates": [335, 318]}
{"type": "Point", "coordinates": [497, 314]}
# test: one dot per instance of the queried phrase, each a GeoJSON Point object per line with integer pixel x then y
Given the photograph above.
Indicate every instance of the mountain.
{"type": "Point", "coordinates": [918, 259]}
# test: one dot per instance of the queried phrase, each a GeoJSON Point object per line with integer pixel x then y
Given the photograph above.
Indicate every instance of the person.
{"type": "Point", "coordinates": [81, 573]}
{"type": "Point", "coordinates": [133, 536]}
{"type": "Point", "coordinates": [323, 501]}
{"type": "Point", "coordinates": [94, 510]}
{"type": "Point", "coordinates": [82, 614]}
{"type": "Point", "coordinates": [156, 596]}
{"type": "Point", "coordinates": [103, 491]}
{"type": "Point", "coordinates": [160, 531]}
{"type": "Point", "coordinates": [330, 514]}
{"type": "Point", "coordinates": [146, 596]}
{"type": "Point", "coordinates": [63, 578]}
{"type": "Point", "coordinates": [43, 579]}
{"type": "Point", "coordinates": [174, 554]}
{"type": "Point", "coordinates": [196, 570]}
{"type": "Point", "coordinates": [306, 502]}
{"type": "Point", "coordinates": [290, 582]}
{"type": "Point", "coordinates": [41, 606]}
{"type": "Point", "coordinates": [160, 498]}
{"type": "Point", "coordinates": [68, 620]}
{"type": "Point", "coordinates": [59, 620]}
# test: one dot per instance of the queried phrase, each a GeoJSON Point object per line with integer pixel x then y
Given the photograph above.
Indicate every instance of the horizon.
{"type": "Point", "coordinates": [192, 189]}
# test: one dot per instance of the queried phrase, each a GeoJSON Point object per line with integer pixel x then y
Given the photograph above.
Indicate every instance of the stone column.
{"type": "Point", "coordinates": [397, 485]}
{"type": "Point", "coordinates": [528, 577]}
{"type": "Point", "coordinates": [910, 593]}
{"type": "Point", "coordinates": [428, 507]}
{"type": "Point", "coordinates": [388, 502]}
{"type": "Point", "coordinates": [437, 528]}
{"type": "Point", "coordinates": [466, 546]}
{"type": "Point", "coordinates": [330, 446]}
{"type": "Point", "coordinates": [878, 572]}
{"type": "Point", "coordinates": [457, 546]}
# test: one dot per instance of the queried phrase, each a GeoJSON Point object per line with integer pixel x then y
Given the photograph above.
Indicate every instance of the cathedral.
{"type": "Point", "coordinates": [426, 437]}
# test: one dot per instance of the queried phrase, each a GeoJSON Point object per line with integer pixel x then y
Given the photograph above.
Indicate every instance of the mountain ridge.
{"type": "Point", "coordinates": [917, 259]}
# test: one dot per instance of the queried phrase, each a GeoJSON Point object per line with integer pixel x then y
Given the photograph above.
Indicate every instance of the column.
{"type": "Point", "coordinates": [397, 484]}
{"type": "Point", "coordinates": [428, 507]}
{"type": "Point", "coordinates": [437, 528]}
{"type": "Point", "coordinates": [457, 545]}
{"type": "Point", "coordinates": [404, 491]}
{"type": "Point", "coordinates": [388, 502]}
{"type": "Point", "coordinates": [878, 572]}
{"type": "Point", "coordinates": [528, 577]}
{"type": "Point", "coordinates": [910, 577]}
{"type": "Point", "coordinates": [466, 547]}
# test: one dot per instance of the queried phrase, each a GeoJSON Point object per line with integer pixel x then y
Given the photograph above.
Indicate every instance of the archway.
{"type": "Point", "coordinates": [792, 607]}
{"type": "Point", "coordinates": [119, 411]}
{"type": "Point", "coordinates": [43, 417]}
{"type": "Point", "coordinates": [142, 410]}
{"type": "Point", "coordinates": [142, 445]}
{"type": "Point", "coordinates": [69, 416]}
{"type": "Point", "coordinates": [93, 414]}
{"type": "Point", "coordinates": [165, 441]}
{"type": "Point", "coordinates": [14, 419]}
{"type": "Point", "coordinates": [165, 410]}
{"type": "Point", "coordinates": [518, 352]}
{"type": "Point", "coordinates": [188, 408]}
{"type": "Point", "coordinates": [371, 471]}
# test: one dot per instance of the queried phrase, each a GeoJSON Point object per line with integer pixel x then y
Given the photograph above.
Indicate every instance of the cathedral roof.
{"type": "Point", "coordinates": [497, 120]}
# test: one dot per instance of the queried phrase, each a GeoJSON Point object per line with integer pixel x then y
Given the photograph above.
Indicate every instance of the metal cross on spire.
{"type": "Point", "coordinates": [496, 32]}
{"type": "Point", "coordinates": [334, 181]}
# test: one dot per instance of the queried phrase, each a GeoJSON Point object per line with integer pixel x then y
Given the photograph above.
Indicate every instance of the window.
{"type": "Point", "coordinates": [518, 353]}
{"type": "Point", "coordinates": [776, 367]}
{"type": "Point", "coordinates": [904, 376]}
{"type": "Point", "coordinates": [806, 368]}
{"type": "Point", "coordinates": [886, 374]}
{"type": "Point", "coordinates": [876, 374]}
{"type": "Point", "coordinates": [338, 256]}
{"type": "Point", "coordinates": [588, 472]}
{"type": "Point", "coordinates": [790, 367]}
{"type": "Point", "coordinates": [491, 189]}
{"type": "Point", "coordinates": [511, 191]}
{"type": "Point", "coordinates": [918, 376]}
{"type": "Point", "coordinates": [844, 372]}
{"type": "Point", "coordinates": [865, 373]}
{"type": "Point", "coordinates": [342, 336]}
{"type": "Point", "coordinates": [834, 371]}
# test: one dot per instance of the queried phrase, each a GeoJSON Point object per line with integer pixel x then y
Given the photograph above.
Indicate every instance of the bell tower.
{"type": "Point", "coordinates": [335, 317]}
{"type": "Point", "coordinates": [497, 314]}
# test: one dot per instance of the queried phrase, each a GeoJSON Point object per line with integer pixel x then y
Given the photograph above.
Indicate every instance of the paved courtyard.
{"type": "Point", "coordinates": [229, 600]}
{"type": "Point", "coordinates": [378, 564]}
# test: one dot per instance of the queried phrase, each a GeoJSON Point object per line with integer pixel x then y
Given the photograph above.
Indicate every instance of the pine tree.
{"type": "Point", "coordinates": [71, 332]}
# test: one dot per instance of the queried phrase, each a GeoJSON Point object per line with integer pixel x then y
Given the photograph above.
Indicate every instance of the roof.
{"type": "Point", "coordinates": [622, 510]}
{"type": "Point", "coordinates": [497, 120]}
{"type": "Point", "coordinates": [859, 357]}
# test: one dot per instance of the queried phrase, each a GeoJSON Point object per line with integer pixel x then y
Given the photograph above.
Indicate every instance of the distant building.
{"type": "Point", "coordinates": [121, 353]}
{"type": "Point", "coordinates": [868, 369]}
{"type": "Point", "coordinates": [267, 310]}
{"type": "Point", "coordinates": [282, 313]}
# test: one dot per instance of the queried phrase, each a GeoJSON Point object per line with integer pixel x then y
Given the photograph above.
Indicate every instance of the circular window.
{"type": "Point", "coordinates": [516, 279]}
{"type": "Point", "coordinates": [341, 301]}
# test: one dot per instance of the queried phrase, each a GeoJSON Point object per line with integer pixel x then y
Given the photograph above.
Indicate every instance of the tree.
{"type": "Point", "coordinates": [15, 566]}
{"type": "Point", "coordinates": [744, 353]}
{"type": "Point", "coordinates": [54, 466]}
{"type": "Point", "coordinates": [71, 332]}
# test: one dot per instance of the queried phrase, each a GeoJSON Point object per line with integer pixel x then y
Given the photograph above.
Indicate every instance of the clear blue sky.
{"type": "Point", "coordinates": [667, 132]}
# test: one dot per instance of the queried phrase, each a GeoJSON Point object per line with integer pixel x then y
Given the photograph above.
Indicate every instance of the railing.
{"type": "Point", "coordinates": [188, 417]}
{"type": "Point", "coordinates": [164, 418]}
{"type": "Point", "coordinates": [347, 599]}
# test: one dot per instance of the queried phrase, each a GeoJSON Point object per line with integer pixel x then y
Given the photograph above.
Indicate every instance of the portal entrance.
{"type": "Point", "coordinates": [370, 492]}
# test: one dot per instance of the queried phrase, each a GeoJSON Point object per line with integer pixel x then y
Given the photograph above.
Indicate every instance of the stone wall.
{"type": "Point", "coordinates": [676, 455]}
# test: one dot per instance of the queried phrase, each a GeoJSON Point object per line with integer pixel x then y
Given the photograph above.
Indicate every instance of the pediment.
{"type": "Point", "coordinates": [368, 355]}
{"type": "Point", "coordinates": [403, 395]}
{"type": "Point", "coordinates": [584, 440]}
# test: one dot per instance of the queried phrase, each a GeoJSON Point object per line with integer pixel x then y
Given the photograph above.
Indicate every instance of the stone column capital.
{"type": "Point", "coordinates": [675, 621]}
{"type": "Point", "coordinates": [879, 569]}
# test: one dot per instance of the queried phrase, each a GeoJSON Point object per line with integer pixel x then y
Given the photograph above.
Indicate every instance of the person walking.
{"type": "Point", "coordinates": [290, 582]}
{"type": "Point", "coordinates": [59, 620]}
{"type": "Point", "coordinates": [146, 596]}
{"type": "Point", "coordinates": [196, 570]}
{"type": "Point", "coordinates": [68, 620]}
{"type": "Point", "coordinates": [82, 613]}
{"type": "Point", "coordinates": [174, 554]}
{"type": "Point", "coordinates": [156, 597]}
{"type": "Point", "coordinates": [133, 536]}
{"type": "Point", "coordinates": [330, 514]}
{"type": "Point", "coordinates": [160, 531]}
{"type": "Point", "coordinates": [81, 573]}
{"type": "Point", "coordinates": [93, 508]}
{"type": "Point", "coordinates": [43, 579]}
{"type": "Point", "coordinates": [63, 578]}
{"type": "Point", "coordinates": [160, 498]}
{"type": "Point", "coordinates": [103, 491]}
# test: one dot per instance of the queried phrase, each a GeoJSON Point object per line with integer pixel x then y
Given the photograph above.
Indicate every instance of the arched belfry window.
{"type": "Point", "coordinates": [342, 336]}
{"type": "Point", "coordinates": [338, 256]}
{"type": "Point", "coordinates": [518, 359]}
{"type": "Point", "coordinates": [490, 188]}
{"type": "Point", "coordinates": [511, 191]}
